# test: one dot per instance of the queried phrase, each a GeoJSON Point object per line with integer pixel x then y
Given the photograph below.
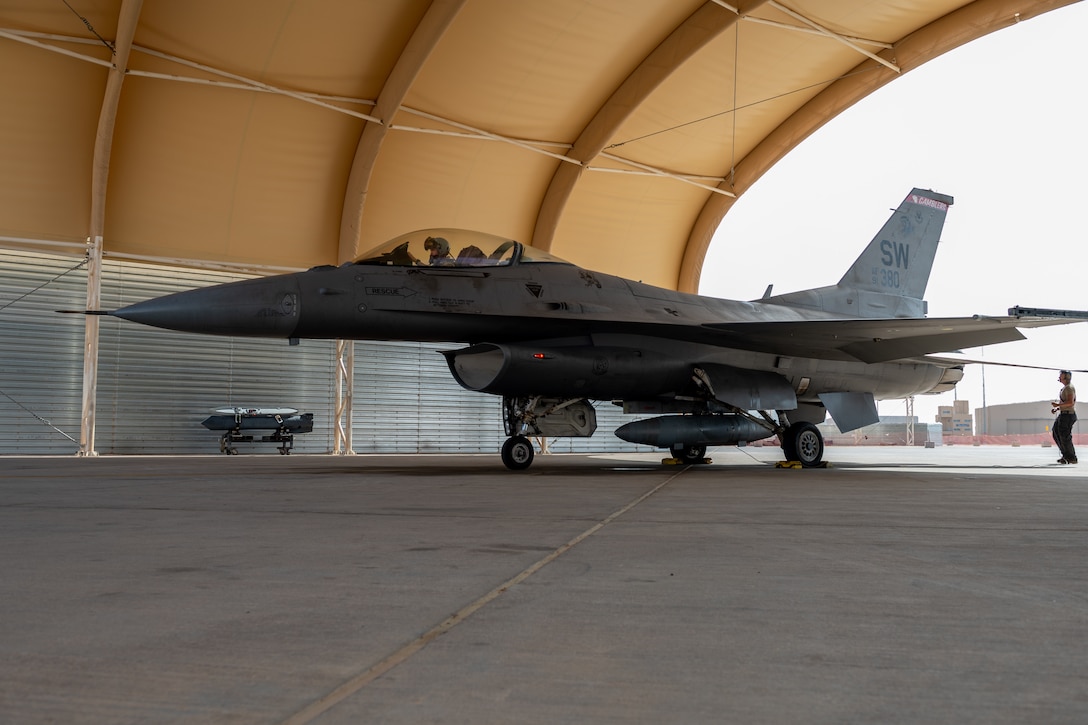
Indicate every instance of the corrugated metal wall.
{"type": "Point", "coordinates": [155, 386]}
{"type": "Point", "coordinates": [406, 401]}
{"type": "Point", "coordinates": [41, 353]}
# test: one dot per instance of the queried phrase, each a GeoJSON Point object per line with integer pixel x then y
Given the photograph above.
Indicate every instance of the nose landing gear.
{"type": "Point", "coordinates": [517, 453]}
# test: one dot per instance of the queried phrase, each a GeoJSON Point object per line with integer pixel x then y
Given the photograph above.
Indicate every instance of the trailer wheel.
{"type": "Point", "coordinates": [688, 452]}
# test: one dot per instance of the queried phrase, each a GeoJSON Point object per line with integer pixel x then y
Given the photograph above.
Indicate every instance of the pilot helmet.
{"type": "Point", "coordinates": [437, 246]}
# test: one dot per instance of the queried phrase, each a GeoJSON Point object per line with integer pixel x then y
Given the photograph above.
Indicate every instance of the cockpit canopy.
{"type": "Point", "coordinates": [445, 247]}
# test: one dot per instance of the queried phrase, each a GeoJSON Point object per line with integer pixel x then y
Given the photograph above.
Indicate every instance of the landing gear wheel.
{"type": "Point", "coordinates": [517, 453]}
{"type": "Point", "coordinates": [688, 452]}
{"type": "Point", "coordinates": [802, 442]}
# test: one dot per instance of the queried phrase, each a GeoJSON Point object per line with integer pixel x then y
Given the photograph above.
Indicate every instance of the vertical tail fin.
{"type": "Point", "coordinates": [890, 277]}
{"type": "Point", "coordinates": [900, 257]}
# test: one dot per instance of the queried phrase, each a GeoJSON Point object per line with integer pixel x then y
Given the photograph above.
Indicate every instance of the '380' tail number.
{"type": "Point", "coordinates": [886, 277]}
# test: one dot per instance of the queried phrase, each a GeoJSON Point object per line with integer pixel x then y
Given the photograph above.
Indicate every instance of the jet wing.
{"type": "Point", "coordinates": [873, 340]}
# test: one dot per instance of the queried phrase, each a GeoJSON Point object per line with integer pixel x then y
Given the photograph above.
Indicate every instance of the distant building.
{"type": "Point", "coordinates": [1017, 419]}
{"type": "Point", "coordinates": [890, 431]}
{"type": "Point", "coordinates": [956, 419]}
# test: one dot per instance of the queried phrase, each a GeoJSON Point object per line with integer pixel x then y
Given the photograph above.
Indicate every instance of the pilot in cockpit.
{"type": "Point", "coordinates": [440, 251]}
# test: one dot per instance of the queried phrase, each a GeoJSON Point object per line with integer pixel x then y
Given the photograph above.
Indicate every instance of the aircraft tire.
{"type": "Point", "coordinates": [688, 452]}
{"type": "Point", "coordinates": [517, 453]}
{"type": "Point", "coordinates": [803, 442]}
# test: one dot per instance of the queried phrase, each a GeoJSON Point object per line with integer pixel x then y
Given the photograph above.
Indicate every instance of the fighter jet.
{"type": "Point", "coordinates": [550, 337]}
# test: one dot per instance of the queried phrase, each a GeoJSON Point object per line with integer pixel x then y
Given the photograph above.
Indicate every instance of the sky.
{"type": "Point", "coordinates": [1000, 124]}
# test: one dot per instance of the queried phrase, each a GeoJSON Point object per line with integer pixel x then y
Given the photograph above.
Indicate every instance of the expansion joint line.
{"type": "Point", "coordinates": [358, 682]}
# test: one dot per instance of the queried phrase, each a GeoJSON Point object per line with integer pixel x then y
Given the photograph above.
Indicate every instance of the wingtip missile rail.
{"type": "Point", "coordinates": [1044, 312]}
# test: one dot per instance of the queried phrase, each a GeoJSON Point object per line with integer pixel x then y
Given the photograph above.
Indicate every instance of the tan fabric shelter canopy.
{"type": "Point", "coordinates": [284, 134]}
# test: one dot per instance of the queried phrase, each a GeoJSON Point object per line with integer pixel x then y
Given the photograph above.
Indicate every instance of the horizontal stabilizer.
{"type": "Point", "coordinates": [885, 349]}
{"type": "Point", "coordinates": [874, 341]}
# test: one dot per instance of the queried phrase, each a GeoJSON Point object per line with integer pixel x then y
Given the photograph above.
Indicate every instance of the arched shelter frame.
{"type": "Point", "coordinates": [269, 137]}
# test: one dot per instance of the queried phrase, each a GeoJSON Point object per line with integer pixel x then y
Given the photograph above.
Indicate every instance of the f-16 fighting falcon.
{"type": "Point", "coordinates": [550, 337]}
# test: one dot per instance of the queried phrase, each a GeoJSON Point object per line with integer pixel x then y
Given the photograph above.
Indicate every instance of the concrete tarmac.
{"type": "Point", "coordinates": [898, 586]}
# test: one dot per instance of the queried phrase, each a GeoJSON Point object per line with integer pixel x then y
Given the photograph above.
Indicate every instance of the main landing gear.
{"type": "Point", "coordinates": [566, 417]}
{"type": "Point", "coordinates": [803, 442]}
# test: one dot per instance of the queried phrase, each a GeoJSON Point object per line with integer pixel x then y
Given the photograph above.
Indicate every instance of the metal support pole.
{"type": "Point", "coordinates": [103, 145]}
{"type": "Point", "coordinates": [90, 348]}
{"type": "Point", "coordinates": [910, 421]}
{"type": "Point", "coordinates": [345, 395]}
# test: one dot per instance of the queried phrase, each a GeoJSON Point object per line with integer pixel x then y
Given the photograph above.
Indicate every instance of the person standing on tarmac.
{"type": "Point", "coordinates": [1064, 406]}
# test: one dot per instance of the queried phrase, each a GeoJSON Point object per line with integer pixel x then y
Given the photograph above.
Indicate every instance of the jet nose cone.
{"type": "Point", "coordinates": [266, 307]}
